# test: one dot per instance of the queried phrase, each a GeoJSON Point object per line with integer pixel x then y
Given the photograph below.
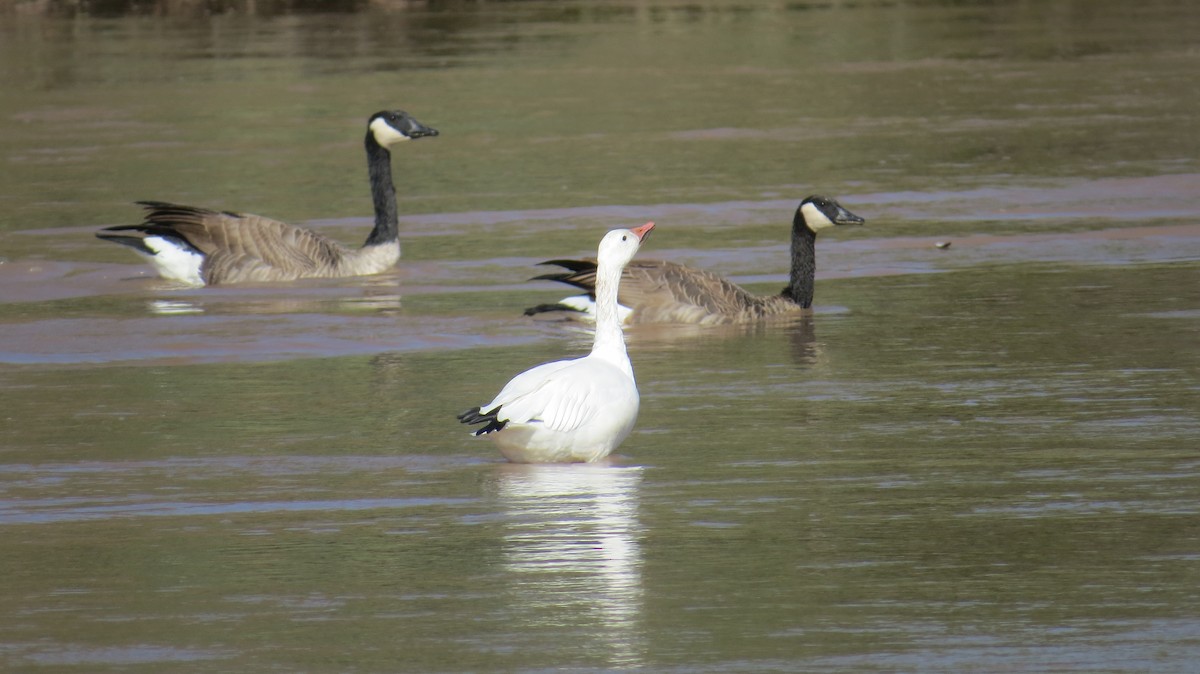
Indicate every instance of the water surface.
{"type": "Point", "coordinates": [979, 457]}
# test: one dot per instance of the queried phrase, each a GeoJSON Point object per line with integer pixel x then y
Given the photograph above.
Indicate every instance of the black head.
{"type": "Point", "coordinates": [389, 127]}
{"type": "Point", "coordinates": [818, 212]}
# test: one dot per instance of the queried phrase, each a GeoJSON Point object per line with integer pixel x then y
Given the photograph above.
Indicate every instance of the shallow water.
{"type": "Point", "coordinates": [972, 458]}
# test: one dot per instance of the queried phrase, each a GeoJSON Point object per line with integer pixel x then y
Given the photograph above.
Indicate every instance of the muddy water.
{"type": "Point", "coordinates": [973, 458]}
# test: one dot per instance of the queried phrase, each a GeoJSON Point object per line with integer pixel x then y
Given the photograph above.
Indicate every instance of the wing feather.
{"type": "Point", "coordinates": [518, 397]}
{"type": "Point", "coordinates": [564, 395]}
{"type": "Point", "coordinates": [661, 291]}
{"type": "Point", "coordinates": [242, 246]}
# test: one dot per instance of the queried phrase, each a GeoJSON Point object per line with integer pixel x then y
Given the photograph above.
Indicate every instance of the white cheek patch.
{"type": "Point", "coordinates": [814, 218]}
{"type": "Point", "coordinates": [385, 134]}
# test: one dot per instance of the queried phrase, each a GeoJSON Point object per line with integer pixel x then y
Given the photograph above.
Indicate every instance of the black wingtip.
{"type": "Point", "coordinates": [472, 416]}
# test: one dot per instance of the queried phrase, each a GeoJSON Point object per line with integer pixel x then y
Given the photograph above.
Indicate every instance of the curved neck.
{"type": "Point", "coordinates": [610, 338]}
{"type": "Point", "coordinates": [804, 266]}
{"type": "Point", "coordinates": [383, 193]}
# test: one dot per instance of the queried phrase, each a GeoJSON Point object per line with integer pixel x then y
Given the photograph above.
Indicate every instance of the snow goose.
{"type": "Point", "coordinates": [199, 246]}
{"type": "Point", "coordinates": [655, 291]}
{"type": "Point", "coordinates": [575, 410]}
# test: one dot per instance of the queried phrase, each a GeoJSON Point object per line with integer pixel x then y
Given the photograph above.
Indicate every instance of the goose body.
{"type": "Point", "coordinates": [656, 291]}
{"type": "Point", "coordinates": [576, 410]}
{"type": "Point", "coordinates": [199, 246]}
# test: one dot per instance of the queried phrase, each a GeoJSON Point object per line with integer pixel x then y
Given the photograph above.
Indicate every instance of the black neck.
{"type": "Point", "coordinates": [804, 266]}
{"type": "Point", "coordinates": [383, 193]}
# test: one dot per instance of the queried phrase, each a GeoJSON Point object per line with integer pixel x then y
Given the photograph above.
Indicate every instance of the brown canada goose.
{"type": "Point", "coordinates": [200, 246]}
{"type": "Point", "coordinates": [655, 291]}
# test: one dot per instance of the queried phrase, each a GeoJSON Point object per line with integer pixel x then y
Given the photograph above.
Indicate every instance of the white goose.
{"type": "Point", "coordinates": [199, 246]}
{"type": "Point", "coordinates": [575, 410]}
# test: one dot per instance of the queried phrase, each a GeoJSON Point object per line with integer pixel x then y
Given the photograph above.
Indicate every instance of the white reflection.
{"type": "Point", "coordinates": [255, 301]}
{"type": "Point", "coordinates": [173, 308]}
{"type": "Point", "coordinates": [572, 552]}
{"type": "Point", "coordinates": [373, 302]}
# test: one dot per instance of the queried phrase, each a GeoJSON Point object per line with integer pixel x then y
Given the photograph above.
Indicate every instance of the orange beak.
{"type": "Point", "coordinates": [643, 230]}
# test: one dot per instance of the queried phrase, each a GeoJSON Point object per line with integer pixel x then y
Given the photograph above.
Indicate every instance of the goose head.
{"type": "Point", "coordinates": [817, 212]}
{"type": "Point", "coordinates": [618, 246]}
{"type": "Point", "coordinates": [389, 127]}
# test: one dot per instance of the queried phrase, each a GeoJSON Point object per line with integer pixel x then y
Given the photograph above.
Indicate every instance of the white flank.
{"type": "Point", "coordinates": [386, 134]}
{"type": "Point", "coordinates": [814, 218]}
{"type": "Point", "coordinates": [175, 262]}
{"type": "Point", "coordinates": [587, 306]}
{"type": "Point", "coordinates": [377, 258]}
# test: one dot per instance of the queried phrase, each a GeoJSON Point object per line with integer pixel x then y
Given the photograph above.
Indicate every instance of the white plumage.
{"type": "Point", "coordinates": [573, 410]}
{"type": "Point", "coordinates": [174, 261]}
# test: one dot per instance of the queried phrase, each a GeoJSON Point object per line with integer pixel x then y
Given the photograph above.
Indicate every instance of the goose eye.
{"type": "Point", "coordinates": [624, 237]}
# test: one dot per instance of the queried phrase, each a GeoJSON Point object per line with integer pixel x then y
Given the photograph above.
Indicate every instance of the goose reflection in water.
{"type": "Point", "coordinates": [571, 550]}
{"type": "Point", "coordinates": [380, 296]}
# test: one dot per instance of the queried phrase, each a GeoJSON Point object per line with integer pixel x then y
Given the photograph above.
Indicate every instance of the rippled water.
{"type": "Point", "coordinates": [980, 457]}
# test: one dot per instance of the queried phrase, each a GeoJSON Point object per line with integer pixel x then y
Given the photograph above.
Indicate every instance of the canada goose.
{"type": "Point", "coordinates": [575, 410]}
{"type": "Point", "coordinates": [655, 291]}
{"type": "Point", "coordinates": [199, 246]}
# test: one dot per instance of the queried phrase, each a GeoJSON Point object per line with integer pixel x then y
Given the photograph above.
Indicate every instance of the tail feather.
{"type": "Point", "coordinates": [551, 308]}
{"type": "Point", "coordinates": [573, 265]}
{"type": "Point", "coordinates": [161, 211]}
{"type": "Point", "coordinates": [587, 284]}
{"type": "Point", "coordinates": [580, 274]}
{"type": "Point", "coordinates": [173, 222]}
{"type": "Point", "coordinates": [137, 243]}
{"type": "Point", "coordinates": [473, 416]}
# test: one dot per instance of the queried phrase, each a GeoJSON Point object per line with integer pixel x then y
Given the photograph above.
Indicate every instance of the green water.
{"type": "Point", "coordinates": [979, 458]}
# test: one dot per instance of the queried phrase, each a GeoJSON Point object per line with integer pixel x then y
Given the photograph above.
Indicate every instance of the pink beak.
{"type": "Point", "coordinates": [643, 230]}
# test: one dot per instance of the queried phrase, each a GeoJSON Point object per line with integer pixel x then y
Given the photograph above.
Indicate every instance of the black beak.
{"type": "Point", "coordinates": [418, 130]}
{"type": "Point", "coordinates": [845, 217]}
